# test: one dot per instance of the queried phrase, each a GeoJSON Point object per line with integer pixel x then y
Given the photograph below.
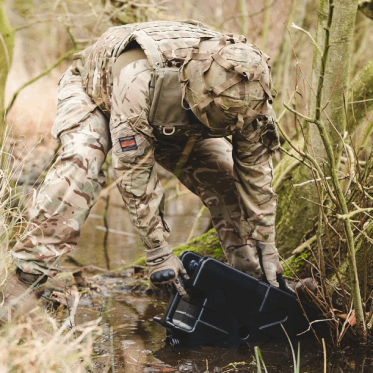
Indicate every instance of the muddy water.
{"type": "Point", "coordinates": [122, 243]}
{"type": "Point", "coordinates": [132, 342]}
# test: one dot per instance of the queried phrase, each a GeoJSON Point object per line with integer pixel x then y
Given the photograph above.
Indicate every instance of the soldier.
{"type": "Point", "coordinates": [166, 92]}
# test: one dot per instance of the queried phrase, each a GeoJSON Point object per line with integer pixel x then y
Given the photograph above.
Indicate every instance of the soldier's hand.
{"type": "Point", "coordinates": [245, 259]}
{"type": "Point", "coordinates": [166, 268]}
{"type": "Point", "coordinates": [270, 262]}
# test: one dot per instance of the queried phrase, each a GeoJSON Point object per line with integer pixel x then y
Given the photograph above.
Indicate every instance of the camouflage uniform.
{"type": "Point", "coordinates": [71, 185]}
{"type": "Point", "coordinates": [234, 185]}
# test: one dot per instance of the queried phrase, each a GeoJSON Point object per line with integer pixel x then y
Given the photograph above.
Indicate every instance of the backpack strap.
{"type": "Point", "coordinates": [149, 47]}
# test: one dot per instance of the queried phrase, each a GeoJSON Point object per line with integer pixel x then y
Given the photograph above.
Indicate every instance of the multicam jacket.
{"type": "Point", "coordinates": [166, 44]}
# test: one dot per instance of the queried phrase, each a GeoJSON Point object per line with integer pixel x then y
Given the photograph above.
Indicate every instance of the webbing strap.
{"type": "Point", "coordinates": [222, 61]}
{"type": "Point", "coordinates": [227, 84]}
{"type": "Point", "coordinates": [184, 85]}
{"type": "Point", "coordinates": [254, 74]}
{"type": "Point", "coordinates": [248, 113]}
{"type": "Point", "coordinates": [258, 73]}
{"type": "Point", "coordinates": [183, 91]}
{"type": "Point", "coordinates": [187, 59]}
{"type": "Point", "coordinates": [242, 39]}
{"type": "Point", "coordinates": [252, 113]}
{"type": "Point", "coordinates": [238, 69]}
{"type": "Point", "coordinates": [266, 89]}
{"type": "Point", "coordinates": [240, 122]}
{"type": "Point", "coordinates": [199, 56]}
{"type": "Point", "coordinates": [222, 43]}
{"type": "Point", "coordinates": [150, 48]}
{"type": "Point", "coordinates": [206, 102]}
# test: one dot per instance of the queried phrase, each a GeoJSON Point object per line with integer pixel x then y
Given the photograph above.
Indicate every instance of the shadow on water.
{"type": "Point", "coordinates": [132, 342]}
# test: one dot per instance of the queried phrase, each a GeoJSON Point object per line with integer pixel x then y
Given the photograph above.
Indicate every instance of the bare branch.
{"type": "Point", "coordinates": [43, 73]}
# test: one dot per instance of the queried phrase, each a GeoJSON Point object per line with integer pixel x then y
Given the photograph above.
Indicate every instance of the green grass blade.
{"type": "Point", "coordinates": [292, 349]}
{"type": "Point", "coordinates": [259, 360]}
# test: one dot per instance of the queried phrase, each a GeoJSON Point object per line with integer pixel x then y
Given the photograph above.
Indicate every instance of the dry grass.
{"type": "Point", "coordinates": [35, 342]}
{"type": "Point", "coordinates": [39, 344]}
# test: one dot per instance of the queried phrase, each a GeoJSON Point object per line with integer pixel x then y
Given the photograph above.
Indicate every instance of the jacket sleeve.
{"type": "Point", "coordinates": [254, 174]}
{"type": "Point", "coordinates": [133, 153]}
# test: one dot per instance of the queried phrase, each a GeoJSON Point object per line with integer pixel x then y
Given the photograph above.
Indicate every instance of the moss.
{"type": "Point", "coordinates": [364, 261]}
{"type": "Point", "coordinates": [138, 262]}
{"type": "Point", "coordinates": [295, 215]}
{"type": "Point", "coordinates": [217, 253]}
{"type": "Point", "coordinates": [361, 88]}
{"type": "Point", "coordinates": [296, 264]}
{"type": "Point", "coordinates": [206, 245]}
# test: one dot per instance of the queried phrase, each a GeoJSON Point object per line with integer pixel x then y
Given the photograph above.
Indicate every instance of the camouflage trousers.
{"type": "Point", "coordinates": [75, 180]}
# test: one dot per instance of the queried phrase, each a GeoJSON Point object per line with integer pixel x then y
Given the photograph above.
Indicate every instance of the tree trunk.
{"type": "Point", "coordinates": [6, 51]}
{"type": "Point", "coordinates": [337, 69]}
{"type": "Point", "coordinates": [359, 113]}
{"type": "Point", "coordinates": [295, 214]}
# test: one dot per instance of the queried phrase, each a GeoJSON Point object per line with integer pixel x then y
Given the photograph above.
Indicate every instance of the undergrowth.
{"type": "Point", "coordinates": [35, 342]}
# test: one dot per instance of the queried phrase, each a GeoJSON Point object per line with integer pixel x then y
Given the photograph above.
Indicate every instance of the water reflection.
{"type": "Point", "coordinates": [123, 244]}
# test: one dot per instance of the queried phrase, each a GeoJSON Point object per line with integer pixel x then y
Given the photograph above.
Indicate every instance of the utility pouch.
{"type": "Point", "coordinates": [166, 111]}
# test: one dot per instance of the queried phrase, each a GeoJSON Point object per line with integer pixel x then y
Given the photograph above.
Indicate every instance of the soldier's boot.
{"type": "Point", "coordinates": [245, 259]}
{"type": "Point", "coordinates": [20, 294]}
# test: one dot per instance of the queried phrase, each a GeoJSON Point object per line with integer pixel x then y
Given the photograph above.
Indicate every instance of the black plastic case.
{"type": "Point", "coordinates": [228, 307]}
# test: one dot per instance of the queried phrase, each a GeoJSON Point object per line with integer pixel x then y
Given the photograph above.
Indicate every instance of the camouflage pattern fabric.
{"type": "Point", "coordinates": [74, 105]}
{"type": "Point", "coordinates": [245, 259]}
{"type": "Point", "coordinates": [207, 169]}
{"type": "Point", "coordinates": [253, 170]}
{"type": "Point", "coordinates": [133, 154]}
{"type": "Point", "coordinates": [236, 187]}
{"type": "Point", "coordinates": [71, 185]}
{"type": "Point", "coordinates": [160, 40]}
{"type": "Point", "coordinates": [227, 84]}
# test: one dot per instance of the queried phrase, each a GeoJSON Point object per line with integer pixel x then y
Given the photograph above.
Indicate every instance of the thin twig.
{"type": "Point", "coordinates": [314, 322]}
{"type": "Point", "coordinates": [293, 25]}
{"type": "Point", "coordinates": [196, 223]}
{"type": "Point", "coordinates": [304, 245]}
{"type": "Point", "coordinates": [353, 213]}
{"type": "Point", "coordinates": [310, 181]}
{"type": "Point", "coordinates": [43, 73]}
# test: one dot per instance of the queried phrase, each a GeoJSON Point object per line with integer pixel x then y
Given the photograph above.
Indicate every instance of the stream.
{"type": "Point", "coordinates": [132, 342]}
